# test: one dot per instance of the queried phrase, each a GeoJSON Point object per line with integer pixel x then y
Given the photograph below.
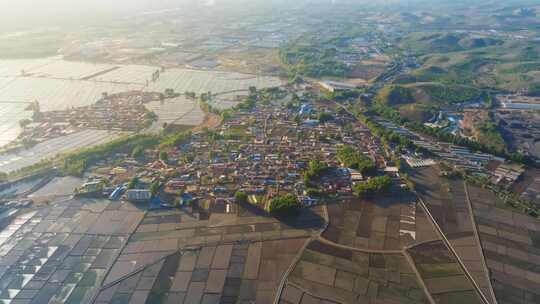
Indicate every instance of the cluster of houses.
{"type": "Point", "coordinates": [262, 153]}
{"type": "Point", "coordinates": [117, 112]}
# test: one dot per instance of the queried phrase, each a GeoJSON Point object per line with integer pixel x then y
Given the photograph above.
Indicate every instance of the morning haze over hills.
{"type": "Point", "coordinates": [291, 152]}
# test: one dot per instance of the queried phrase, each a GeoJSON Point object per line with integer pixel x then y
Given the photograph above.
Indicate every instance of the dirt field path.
{"type": "Point", "coordinates": [211, 121]}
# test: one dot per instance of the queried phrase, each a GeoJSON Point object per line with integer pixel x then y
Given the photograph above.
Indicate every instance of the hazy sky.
{"type": "Point", "coordinates": [20, 14]}
{"type": "Point", "coordinates": [21, 7]}
{"type": "Point", "coordinates": [26, 13]}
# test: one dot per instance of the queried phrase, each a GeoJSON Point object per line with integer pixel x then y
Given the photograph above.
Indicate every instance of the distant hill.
{"type": "Point", "coordinates": [449, 94]}
{"type": "Point", "coordinates": [395, 95]}
{"type": "Point", "coordinates": [473, 43]}
{"type": "Point", "coordinates": [419, 101]}
{"type": "Point", "coordinates": [447, 42]}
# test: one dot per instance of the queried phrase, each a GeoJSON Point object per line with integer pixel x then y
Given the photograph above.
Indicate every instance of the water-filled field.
{"type": "Point", "coordinates": [15, 67]}
{"type": "Point", "coordinates": [59, 94]}
{"type": "Point", "coordinates": [180, 111]}
{"type": "Point", "coordinates": [136, 74]}
{"type": "Point", "coordinates": [10, 115]}
{"type": "Point", "coordinates": [69, 70]}
{"type": "Point", "coordinates": [182, 80]}
{"type": "Point", "coordinates": [10, 162]}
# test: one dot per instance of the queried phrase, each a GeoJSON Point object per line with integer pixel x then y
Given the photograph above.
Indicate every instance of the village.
{"type": "Point", "coordinates": [253, 157]}
{"type": "Point", "coordinates": [114, 112]}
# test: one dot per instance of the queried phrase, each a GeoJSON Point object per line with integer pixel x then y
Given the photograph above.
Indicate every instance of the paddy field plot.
{"type": "Point", "coordinates": [136, 74]}
{"type": "Point", "coordinates": [10, 115]}
{"type": "Point", "coordinates": [5, 80]}
{"type": "Point", "coordinates": [10, 162]}
{"type": "Point", "coordinates": [182, 80]}
{"type": "Point", "coordinates": [69, 69]}
{"type": "Point", "coordinates": [227, 100]}
{"type": "Point", "coordinates": [16, 66]}
{"type": "Point", "coordinates": [19, 188]}
{"type": "Point", "coordinates": [385, 223]}
{"type": "Point", "coordinates": [60, 253]}
{"type": "Point", "coordinates": [59, 186]}
{"type": "Point", "coordinates": [446, 200]}
{"type": "Point", "coordinates": [330, 274]}
{"type": "Point", "coordinates": [511, 244]}
{"type": "Point", "coordinates": [59, 94]}
{"type": "Point", "coordinates": [228, 273]}
{"type": "Point", "coordinates": [442, 274]}
{"type": "Point", "coordinates": [224, 104]}
{"type": "Point", "coordinates": [179, 111]}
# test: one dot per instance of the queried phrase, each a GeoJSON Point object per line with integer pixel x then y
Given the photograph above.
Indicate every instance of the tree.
{"type": "Point", "coordinates": [351, 158]}
{"type": "Point", "coordinates": [241, 197]}
{"type": "Point", "coordinates": [367, 167]}
{"type": "Point", "coordinates": [163, 156]}
{"type": "Point", "coordinates": [191, 95]}
{"type": "Point", "coordinates": [154, 188]}
{"type": "Point", "coordinates": [133, 183]}
{"type": "Point", "coordinates": [35, 107]}
{"type": "Point", "coordinates": [24, 122]}
{"type": "Point", "coordinates": [284, 205]}
{"type": "Point", "coordinates": [226, 115]}
{"type": "Point", "coordinates": [75, 166]}
{"type": "Point", "coordinates": [252, 90]}
{"type": "Point", "coordinates": [348, 156]}
{"type": "Point", "coordinates": [138, 152]}
{"type": "Point", "coordinates": [325, 117]}
{"type": "Point", "coordinates": [297, 119]}
{"type": "Point", "coordinates": [315, 170]}
{"type": "Point", "coordinates": [376, 185]}
{"type": "Point", "coordinates": [176, 139]}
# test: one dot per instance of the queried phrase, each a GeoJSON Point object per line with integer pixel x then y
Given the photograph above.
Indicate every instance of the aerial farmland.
{"type": "Point", "coordinates": [13, 161]}
{"type": "Point", "coordinates": [180, 111]}
{"type": "Point", "coordinates": [10, 115]}
{"type": "Point", "coordinates": [182, 80]}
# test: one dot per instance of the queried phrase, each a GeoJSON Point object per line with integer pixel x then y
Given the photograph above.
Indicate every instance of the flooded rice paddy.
{"type": "Point", "coordinates": [180, 111]}
{"type": "Point", "coordinates": [14, 161]}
